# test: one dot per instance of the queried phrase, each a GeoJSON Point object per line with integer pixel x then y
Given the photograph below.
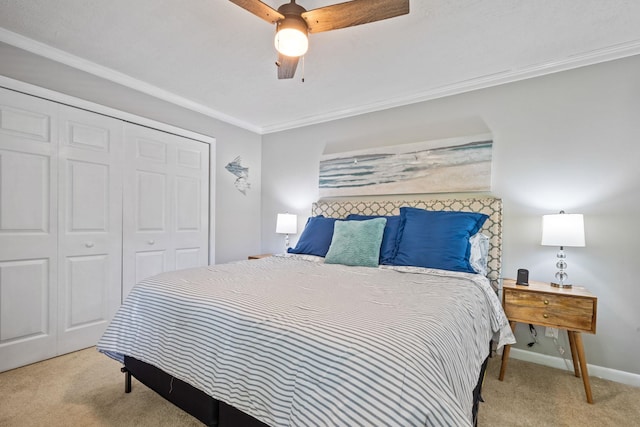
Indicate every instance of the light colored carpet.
{"type": "Point", "coordinates": [536, 395]}
{"type": "Point", "coordinates": [86, 388]}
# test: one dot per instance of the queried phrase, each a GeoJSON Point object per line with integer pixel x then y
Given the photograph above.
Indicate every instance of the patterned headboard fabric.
{"type": "Point", "coordinates": [491, 206]}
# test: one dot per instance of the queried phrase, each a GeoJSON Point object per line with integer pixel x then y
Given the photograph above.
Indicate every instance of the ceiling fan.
{"type": "Point", "coordinates": [294, 22]}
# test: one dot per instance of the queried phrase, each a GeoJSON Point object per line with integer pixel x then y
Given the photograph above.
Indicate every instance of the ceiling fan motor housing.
{"type": "Point", "coordinates": [292, 9]}
{"type": "Point", "coordinates": [294, 23]}
{"type": "Point", "coordinates": [292, 18]}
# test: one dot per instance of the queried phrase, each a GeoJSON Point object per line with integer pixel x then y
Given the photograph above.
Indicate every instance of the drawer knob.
{"type": "Point", "coordinates": [545, 315]}
{"type": "Point", "coordinates": [546, 302]}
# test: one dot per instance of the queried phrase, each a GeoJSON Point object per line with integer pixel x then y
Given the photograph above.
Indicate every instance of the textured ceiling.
{"type": "Point", "coordinates": [216, 58]}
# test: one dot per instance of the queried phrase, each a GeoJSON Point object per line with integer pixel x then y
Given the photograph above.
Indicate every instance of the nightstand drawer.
{"type": "Point", "coordinates": [559, 311]}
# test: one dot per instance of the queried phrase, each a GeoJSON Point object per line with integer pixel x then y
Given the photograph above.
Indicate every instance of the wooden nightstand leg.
{"type": "Point", "coordinates": [583, 365]}
{"type": "Point", "coordinates": [505, 354]}
{"type": "Point", "coordinates": [574, 353]}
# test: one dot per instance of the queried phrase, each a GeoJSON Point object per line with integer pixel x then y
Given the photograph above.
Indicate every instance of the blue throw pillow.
{"type": "Point", "coordinates": [389, 238]}
{"type": "Point", "coordinates": [356, 243]}
{"type": "Point", "coordinates": [316, 237]}
{"type": "Point", "coordinates": [437, 239]}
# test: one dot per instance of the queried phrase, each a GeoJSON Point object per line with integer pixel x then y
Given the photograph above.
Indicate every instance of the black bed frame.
{"type": "Point", "coordinates": [213, 412]}
{"type": "Point", "coordinates": [186, 397]}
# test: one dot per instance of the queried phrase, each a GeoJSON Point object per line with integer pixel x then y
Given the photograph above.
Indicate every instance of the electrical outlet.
{"type": "Point", "coordinates": [551, 332]}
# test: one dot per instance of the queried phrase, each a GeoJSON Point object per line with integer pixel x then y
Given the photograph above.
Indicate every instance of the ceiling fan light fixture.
{"type": "Point", "coordinates": [291, 37]}
{"type": "Point", "coordinates": [294, 23]}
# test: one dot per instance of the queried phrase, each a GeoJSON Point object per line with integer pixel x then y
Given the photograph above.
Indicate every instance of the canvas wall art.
{"type": "Point", "coordinates": [440, 166]}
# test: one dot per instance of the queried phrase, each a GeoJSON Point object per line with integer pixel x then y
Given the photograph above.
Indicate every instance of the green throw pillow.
{"type": "Point", "coordinates": [356, 242]}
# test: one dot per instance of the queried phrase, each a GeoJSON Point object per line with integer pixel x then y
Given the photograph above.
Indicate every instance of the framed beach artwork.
{"type": "Point", "coordinates": [450, 165]}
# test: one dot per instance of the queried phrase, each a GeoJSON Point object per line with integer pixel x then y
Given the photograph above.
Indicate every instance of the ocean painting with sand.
{"type": "Point", "coordinates": [441, 166]}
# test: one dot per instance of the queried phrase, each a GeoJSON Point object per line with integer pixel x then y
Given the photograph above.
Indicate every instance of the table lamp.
{"type": "Point", "coordinates": [286, 224]}
{"type": "Point", "coordinates": [562, 230]}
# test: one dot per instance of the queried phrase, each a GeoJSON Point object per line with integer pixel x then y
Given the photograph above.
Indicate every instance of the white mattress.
{"type": "Point", "coordinates": [294, 342]}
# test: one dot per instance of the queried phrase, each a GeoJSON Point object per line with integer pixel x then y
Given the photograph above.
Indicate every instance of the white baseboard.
{"type": "Point", "coordinates": [561, 363]}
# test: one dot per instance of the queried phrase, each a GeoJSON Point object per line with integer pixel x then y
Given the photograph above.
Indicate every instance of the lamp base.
{"type": "Point", "coordinates": [561, 285]}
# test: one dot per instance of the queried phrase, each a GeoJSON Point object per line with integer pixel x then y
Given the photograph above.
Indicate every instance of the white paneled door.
{"type": "Point", "coordinates": [89, 206]}
{"type": "Point", "coordinates": [90, 226]}
{"type": "Point", "coordinates": [28, 229]}
{"type": "Point", "coordinates": [166, 204]}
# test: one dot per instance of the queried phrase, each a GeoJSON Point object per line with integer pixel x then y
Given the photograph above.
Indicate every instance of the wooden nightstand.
{"type": "Point", "coordinates": [573, 309]}
{"type": "Point", "coordinates": [260, 256]}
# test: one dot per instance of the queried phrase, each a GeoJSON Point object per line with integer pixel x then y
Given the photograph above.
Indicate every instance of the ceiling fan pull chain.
{"type": "Point", "coordinates": [303, 69]}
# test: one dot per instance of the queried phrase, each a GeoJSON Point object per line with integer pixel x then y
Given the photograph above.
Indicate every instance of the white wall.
{"type": "Point", "coordinates": [564, 141]}
{"type": "Point", "coordinates": [237, 216]}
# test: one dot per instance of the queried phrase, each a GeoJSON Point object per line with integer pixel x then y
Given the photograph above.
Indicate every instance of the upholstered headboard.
{"type": "Point", "coordinates": [489, 205]}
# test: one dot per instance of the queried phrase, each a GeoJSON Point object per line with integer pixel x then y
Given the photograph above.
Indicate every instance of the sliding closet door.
{"type": "Point", "coordinates": [90, 226]}
{"type": "Point", "coordinates": [28, 229]}
{"type": "Point", "coordinates": [166, 204]}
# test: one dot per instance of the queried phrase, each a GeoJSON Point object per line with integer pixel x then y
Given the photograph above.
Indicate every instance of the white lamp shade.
{"type": "Point", "coordinates": [287, 223]}
{"type": "Point", "coordinates": [291, 42]}
{"type": "Point", "coordinates": [563, 230]}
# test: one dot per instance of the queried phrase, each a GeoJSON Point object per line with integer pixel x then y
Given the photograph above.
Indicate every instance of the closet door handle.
{"type": "Point", "coordinates": [151, 242]}
{"type": "Point", "coordinates": [89, 244]}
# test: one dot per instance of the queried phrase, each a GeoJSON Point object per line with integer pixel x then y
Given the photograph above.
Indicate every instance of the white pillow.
{"type": "Point", "coordinates": [479, 251]}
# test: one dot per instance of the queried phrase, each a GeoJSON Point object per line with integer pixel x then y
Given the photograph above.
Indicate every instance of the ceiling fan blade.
{"type": "Point", "coordinates": [260, 9]}
{"type": "Point", "coordinates": [286, 66]}
{"type": "Point", "coordinates": [352, 13]}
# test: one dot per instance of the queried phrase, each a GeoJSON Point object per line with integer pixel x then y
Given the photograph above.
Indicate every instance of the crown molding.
{"type": "Point", "coordinates": [605, 54]}
{"type": "Point", "coordinates": [593, 57]}
{"type": "Point", "coordinates": [61, 98]}
{"type": "Point", "coordinates": [114, 76]}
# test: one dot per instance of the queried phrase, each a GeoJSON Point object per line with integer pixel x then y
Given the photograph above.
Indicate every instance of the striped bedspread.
{"type": "Point", "coordinates": [299, 343]}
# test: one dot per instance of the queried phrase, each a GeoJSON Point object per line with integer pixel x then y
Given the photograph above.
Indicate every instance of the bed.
{"type": "Point", "coordinates": [300, 339]}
